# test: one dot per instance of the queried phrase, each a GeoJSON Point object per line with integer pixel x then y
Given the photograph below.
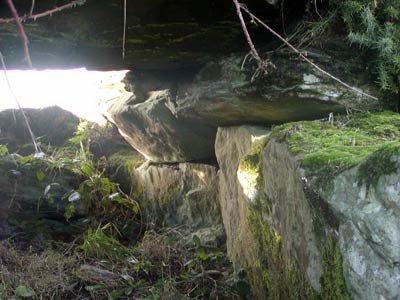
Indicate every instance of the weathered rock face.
{"type": "Point", "coordinates": [52, 125]}
{"type": "Point", "coordinates": [232, 144]}
{"type": "Point", "coordinates": [183, 194]}
{"type": "Point", "coordinates": [369, 232]}
{"type": "Point", "coordinates": [175, 119]}
{"type": "Point", "coordinates": [273, 204]}
{"type": "Point", "coordinates": [153, 129]}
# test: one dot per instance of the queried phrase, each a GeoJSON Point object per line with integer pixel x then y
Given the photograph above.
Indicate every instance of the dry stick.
{"type": "Point", "coordinates": [21, 31]}
{"type": "Point", "coordinates": [32, 7]}
{"type": "Point", "coordinates": [37, 148]}
{"type": "Point", "coordinates": [46, 13]}
{"type": "Point", "coordinates": [124, 33]}
{"type": "Point", "coordinates": [301, 55]}
{"type": "Point", "coordinates": [246, 33]}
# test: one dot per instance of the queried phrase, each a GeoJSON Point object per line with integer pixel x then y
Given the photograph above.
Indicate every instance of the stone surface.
{"type": "Point", "coordinates": [172, 118]}
{"type": "Point", "coordinates": [369, 232]}
{"type": "Point", "coordinates": [232, 144]}
{"type": "Point", "coordinates": [51, 125]}
{"type": "Point", "coordinates": [182, 194]}
{"type": "Point", "coordinates": [362, 217]}
{"type": "Point", "coordinates": [153, 129]}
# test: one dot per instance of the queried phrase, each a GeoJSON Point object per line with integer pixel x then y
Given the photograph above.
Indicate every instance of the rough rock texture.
{"type": "Point", "coordinates": [236, 192]}
{"type": "Point", "coordinates": [153, 130]}
{"type": "Point", "coordinates": [369, 232]}
{"type": "Point", "coordinates": [173, 119]}
{"type": "Point", "coordinates": [363, 217]}
{"type": "Point", "coordinates": [291, 213]}
{"type": "Point", "coordinates": [52, 125]}
{"type": "Point", "coordinates": [182, 194]}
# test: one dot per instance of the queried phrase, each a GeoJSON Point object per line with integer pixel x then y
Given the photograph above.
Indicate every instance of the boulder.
{"type": "Point", "coordinates": [183, 195]}
{"type": "Point", "coordinates": [171, 118]}
{"type": "Point", "coordinates": [51, 125]}
{"type": "Point", "coordinates": [313, 211]}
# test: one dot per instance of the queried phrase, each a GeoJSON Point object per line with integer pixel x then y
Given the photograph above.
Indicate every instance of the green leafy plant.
{"type": "Point", "coordinates": [3, 150]}
{"type": "Point", "coordinates": [374, 25]}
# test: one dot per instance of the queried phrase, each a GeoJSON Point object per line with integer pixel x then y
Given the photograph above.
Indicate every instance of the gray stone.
{"type": "Point", "coordinates": [171, 120]}
{"type": "Point", "coordinates": [369, 233]}
{"type": "Point", "coordinates": [182, 195]}
{"type": "Point", "coordinates": [232, 144]}
{"type": "Point", "coordinates": [154, 130]}
{"type": "Point", "coordinates": [363, 218]}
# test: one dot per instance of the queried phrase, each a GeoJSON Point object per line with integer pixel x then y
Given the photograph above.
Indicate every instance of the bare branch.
{"type": "Point", "coordinates": [32, 7]}
{"type": "Point", "coordinates": [240, 7]}
{"type": "Point", "coordinates": [124, 33]}
{"type": "Point", "coordinates": [21, 31]}
{"type": "Point", "coordinates": [262, 64]}
{"type": "Point", "coordinates": [50, 12]}
{"type": "Point", "coordinates": [3, 64]}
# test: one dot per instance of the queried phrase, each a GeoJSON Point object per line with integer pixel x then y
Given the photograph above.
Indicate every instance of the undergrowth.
{"type": "Point", "coordinates": [109, 254]}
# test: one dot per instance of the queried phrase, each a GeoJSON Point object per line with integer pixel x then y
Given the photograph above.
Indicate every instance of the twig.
{"type": "Point", "coordinates": [246, 33]}
{"type": "Point", "coordinates": [32, 7]}
{"type": "Point", "coordinates": [244, 8]}
{"type": "Point", "coordinates": [50, 12]}
{"type": "Point", "coordinates": [262, 64]}
{"type": "Point", "coordinates": [37, 148]}
{"type": "Point", "coordinates": [124, 33]}
{"type": "Point", "coordinates": [316, 9]}
{"type": "Point", "coordinates": [21, 31]}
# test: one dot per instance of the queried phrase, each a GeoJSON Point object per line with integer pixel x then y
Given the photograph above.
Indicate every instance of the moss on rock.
{"type": "Point", "coordinates": [336, 146]}
{"type": "Point", "coordinates": [332, 282]}
{"type": "Point", "coordinates": [273, 275]}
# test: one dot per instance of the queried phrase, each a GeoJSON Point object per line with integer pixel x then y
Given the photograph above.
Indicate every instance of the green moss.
{"type": "Point", "coordinates": [271, 273]}
{"type": "Point", "coordinates": [333, 285]}
{"type": "Point", "coordinates": [121, 165]}
{"type": "Point", "coordinates": [327, 148]}
{"type": "Point", "coordinates": [381, 162]}
{"type": "Point", "coordinates": [249, 164]}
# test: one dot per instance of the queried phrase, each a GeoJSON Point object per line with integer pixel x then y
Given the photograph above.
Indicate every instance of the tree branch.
{"type": "Point", "coordinates": [50, 12]}
{"type": "Point", "coordinates": [262, 64]}
{"type": "Point", "coordinates": [240, 7]}
{"type": "Point", "coordinates": [21, 30]}
{"type": "Point", "coordinates": [3, 64]}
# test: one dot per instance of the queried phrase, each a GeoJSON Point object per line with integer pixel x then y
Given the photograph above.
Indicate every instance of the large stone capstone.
{"type": "Point", "coordinates": [173, 116]}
